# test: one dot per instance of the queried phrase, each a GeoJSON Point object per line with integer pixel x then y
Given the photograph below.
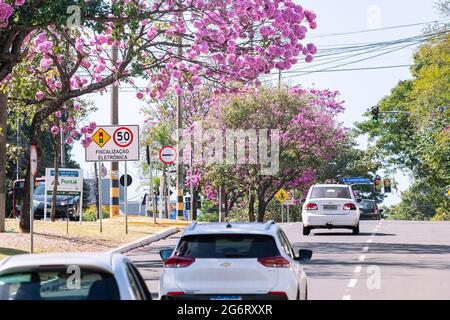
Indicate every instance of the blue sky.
{"type": "Point", "coordinates": [360, 89]}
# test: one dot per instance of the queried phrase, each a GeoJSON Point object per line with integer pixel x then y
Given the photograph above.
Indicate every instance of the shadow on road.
{"type": "Point", "coordinates": [350, 234]}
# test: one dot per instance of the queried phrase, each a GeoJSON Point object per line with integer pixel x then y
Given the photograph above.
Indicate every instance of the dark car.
{"type": "Point", "coordinates": [369, 210]}
{"type": "Point", "coordinates": [66, 206]}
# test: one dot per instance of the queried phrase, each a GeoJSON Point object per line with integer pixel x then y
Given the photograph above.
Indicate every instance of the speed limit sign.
{"type": "Point", "coordinates": [114, 143]}
{"type": "Point", "coordinates": [123, 137]}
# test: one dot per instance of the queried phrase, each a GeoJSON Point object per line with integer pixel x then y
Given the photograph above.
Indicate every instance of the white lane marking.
{"type": "Point", "coordinates": [373, 234]}
{"type": "Point", "coordinates": [369, 240]}
{"type": "Point", "coordinates": [365, 249]}
{"type": "Point", "coordinates": [362, 257]}
{"type": "Point", "coordinates": [357, 269]}
{"type": "Point", "coordinates": [347, 297]}
{"type": "Point", "coordinates": [352, 283]}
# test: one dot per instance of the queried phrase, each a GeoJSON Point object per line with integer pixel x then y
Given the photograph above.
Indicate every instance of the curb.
{"type": "Point", "coordinates": [145, 241]}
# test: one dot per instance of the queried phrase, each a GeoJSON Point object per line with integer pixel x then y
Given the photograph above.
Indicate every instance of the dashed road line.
{"type": "Point", "coordinates": [365, 249]}
{"type": "Point", "coordinates": [362, 257]}
{"type": "Point", "coordinates": [352, 283]}
{"type": "Point", "coordinates": [347, 297]}
{"type": "Point", "coordinates": [357, 269]}
{"type": "Point", "coordinates": [369, 240]}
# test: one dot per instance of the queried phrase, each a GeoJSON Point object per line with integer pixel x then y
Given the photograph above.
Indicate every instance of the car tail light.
{"type": "Point", "coordinates": [281, 294]}
{"type": "Point", "coordinates": [275, 262]}
{"type": "Point", "coordinates": [178, 262]}
{"type": "Point", "coordinates": [349, 206]}
{"type": "Point", "coordinates": [311, 206]}
{"type": "Point", "coordinates": [175, 293]}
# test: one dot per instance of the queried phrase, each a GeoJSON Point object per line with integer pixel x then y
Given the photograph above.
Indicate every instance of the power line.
{"type": "Point", "coordinates": [379, 29]}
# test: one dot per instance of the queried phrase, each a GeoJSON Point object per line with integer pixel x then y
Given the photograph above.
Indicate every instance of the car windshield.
{"type": "Point", "coordinates": [40, 190]}
{"type": "Point", "coordinates": [227, 246]}
{"type": "Point", "coordinates": [330, 192]}
{"type": "Point", "coordinates": [367, 205]}
{"type": "Point", "coordinates": [63, 283]}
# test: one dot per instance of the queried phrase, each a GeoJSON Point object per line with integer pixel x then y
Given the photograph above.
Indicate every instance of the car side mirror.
{"type": "Point", "coordinates": [165, 254]}
{"type": "Point", "coordinates": [304, 255]}
{"type": "Point", "coordinates": [359, 200]}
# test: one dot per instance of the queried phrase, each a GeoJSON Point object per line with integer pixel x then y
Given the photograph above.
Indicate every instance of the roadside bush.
{"type": "Point", "coordinates": [90, 214]}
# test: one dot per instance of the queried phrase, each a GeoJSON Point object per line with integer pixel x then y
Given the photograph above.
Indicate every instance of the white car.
{"type": "Point", "coordinates": [71, 276]}
{"type": "Point", "coordinates": [330, 206]}
{"type": "Point", "coordinates": [233, 261]}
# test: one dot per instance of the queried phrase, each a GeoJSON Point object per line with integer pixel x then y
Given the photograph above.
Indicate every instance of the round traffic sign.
{"type": "Point", "coordinates": [129, 180]}
{"type": "Point", "coordinates": [33, 160]}
{"type": "Point", "coordinates": [168, 154]}
{"type": "Point", "coordinates": [123, 137]}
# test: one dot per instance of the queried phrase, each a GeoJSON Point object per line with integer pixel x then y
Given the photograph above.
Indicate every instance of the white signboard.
{"type": "Point", "coordinates": [168, 155]}
{"type": "Point", "coordinates": [114, 143]}
{"type": "Point", "coordinates": [69, 180]}
{"type": "Point", "coordinates": [290, 200]}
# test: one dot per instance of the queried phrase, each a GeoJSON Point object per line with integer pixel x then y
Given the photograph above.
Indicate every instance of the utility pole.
{"type": "Point", "coordinates": [279, 79]}
{"type": "Point", "coordinates": [179, 184]}
{"type": "Point", "coordinates": [114, 120]}
{"type": "Point", "coordinates": [191, 185]}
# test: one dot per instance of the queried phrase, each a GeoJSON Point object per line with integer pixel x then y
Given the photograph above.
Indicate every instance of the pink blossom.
{"type": "Point", "coordinates": [54, 130]}
{"type": "Point", "coordinates": [39, 95]}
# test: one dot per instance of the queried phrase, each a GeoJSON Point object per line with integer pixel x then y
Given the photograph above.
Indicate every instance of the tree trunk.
{"type": "Point", "coordinates": [251, 207]}
{"type": "Point", "coordinates": [55, 185]}
{"type": "Point", "coordinates": [261, 206]}
{"type": "Point", "coordinates": [3, 138]}
{"type": "Point", "coordinates": [194, 209]}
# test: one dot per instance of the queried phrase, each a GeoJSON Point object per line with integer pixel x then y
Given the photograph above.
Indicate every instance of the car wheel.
{"type": "Point", "coordinates": [356, 230]}
{"type": "Point", "coordinates": [306, 231]}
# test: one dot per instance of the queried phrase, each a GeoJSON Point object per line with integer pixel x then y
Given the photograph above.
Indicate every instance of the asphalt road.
{"type": "Point", "coordinates": [388, 260]}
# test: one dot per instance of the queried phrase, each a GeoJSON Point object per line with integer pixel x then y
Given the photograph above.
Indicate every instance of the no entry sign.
{"type": "Point", "coordinates": [114, 143]}
{"type": "Point", "coordinates": [168, 155]}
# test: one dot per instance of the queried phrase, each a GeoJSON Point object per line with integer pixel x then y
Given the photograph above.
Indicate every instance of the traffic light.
{"type": "Point", "coordinates": [387, 185]}
{"type": "Point", "coordinates": [378, 185]}
{"type": "Point", "coordinates": [375, 113]}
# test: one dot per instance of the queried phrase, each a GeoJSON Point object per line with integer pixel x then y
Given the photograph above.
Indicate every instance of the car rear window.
{"type": "Point", "coordinates": [367, 205]}
{"type": "Point", "coordinates": [59, 284]}
{"type": "Point", "coordinates": [227, 246]}
{"type": "Point", "coordinates": [330, 192]}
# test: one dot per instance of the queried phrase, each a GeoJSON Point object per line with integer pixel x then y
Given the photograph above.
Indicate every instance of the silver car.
{"type": "Point", "coordinates": [71, 276]}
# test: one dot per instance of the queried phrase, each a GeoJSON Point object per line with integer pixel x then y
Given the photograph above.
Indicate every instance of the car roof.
{"type": "Point", "coordinates": [268, 228]}
{"type": "Point", "coordinates": [104, 261]}
{"type": "Point", "coordinates": [331, 185]}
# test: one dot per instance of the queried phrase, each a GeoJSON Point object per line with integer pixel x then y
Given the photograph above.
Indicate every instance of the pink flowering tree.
{"type": "Point", "coordinates": [310, 138]}
{"type": "Point", "coordinates": [173, 44]}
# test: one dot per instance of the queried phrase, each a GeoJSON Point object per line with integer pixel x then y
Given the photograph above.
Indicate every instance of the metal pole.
{"type": "Point", "coordinates": [220, 203]}
{"type": "Point", "coordinates": [45, 197]}
{"type": "Point", "coordinates": [282, 219]}
{"type": "Point", "coordinates": [279, 79]}
{"type": "Point", "coordinates": [126, 199]}
{"type": "Point", "coordinates": [168, 192]}
{"type": "Point", "coordinates": [151, 189]}
{"type": "Point", "coordinates": [114, 120]}
{"type": "Point", "coordinates": [287, 211]}
{"type": "Point", "coordinates": [179, 184]}
{"type": "Point", "coordinates": [81, 196]}
{"type": "Point", "coordinates": [191, 185]}
{"type": "Point", "coordinates": [31, 211]}
{"type": "Point", "coordinates": [160, 202]}
{"type": "Point", "coordinates": [100, 214]}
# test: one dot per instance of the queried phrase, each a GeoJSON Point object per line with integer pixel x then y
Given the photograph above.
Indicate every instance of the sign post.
{"type": "Point", "coordinates": [114, 143]}
{"type": "Point", "coordinates": [126, 199]}
{"type": "Point", "coordinates": [282, 196]}
{"type": "Point", "coordinates": [33, 173]}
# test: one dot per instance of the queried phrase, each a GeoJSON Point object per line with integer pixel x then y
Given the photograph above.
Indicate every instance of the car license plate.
{"type": "Point", "coordinates": [225, 298]}
{"type": "Point", "coordinates": [330, 207]}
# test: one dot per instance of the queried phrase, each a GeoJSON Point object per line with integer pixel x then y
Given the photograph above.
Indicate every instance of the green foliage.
{"type": "Point", "coordinates": [418, 140]}
{"type": "Point", "coordinates": [90, 214]}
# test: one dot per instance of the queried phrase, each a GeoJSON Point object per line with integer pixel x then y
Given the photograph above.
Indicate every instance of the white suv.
{"type": "Point", "coordinates": [233, 261]}
{"type": "Point", "coordinates": [330, 206]}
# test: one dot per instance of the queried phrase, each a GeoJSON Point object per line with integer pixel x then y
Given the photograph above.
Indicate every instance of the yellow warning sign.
{"type": "Point", "coordinates": [101, 137]}
{"type": "Point", "coordinates": [282, 195]}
